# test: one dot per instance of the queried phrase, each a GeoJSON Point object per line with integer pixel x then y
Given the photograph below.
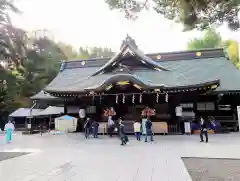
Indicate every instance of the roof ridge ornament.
{"type": "Point", "coordinates": [128, 41]}
{"type": "Point", "coordinates": [129, 47]}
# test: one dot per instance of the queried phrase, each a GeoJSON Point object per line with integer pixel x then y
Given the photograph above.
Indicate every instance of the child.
{"type": "Point", "coordinates": [137, 130]}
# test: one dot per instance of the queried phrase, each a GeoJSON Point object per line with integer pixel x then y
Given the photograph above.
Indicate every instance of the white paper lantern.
{"type": "Point", "coordinates": [82, 113]}
{"type": "Point", "coordinates": [157, 98]}
{"type": "Point", "coordinates": [140, 98]}
{"type": "Point", "coordinates": [123, 100]}
{"type": "Point", "coordinates": [166, 97]}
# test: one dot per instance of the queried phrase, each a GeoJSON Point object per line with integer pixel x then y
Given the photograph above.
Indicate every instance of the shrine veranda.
{"type": "Point", "coordinates": [202, 82]}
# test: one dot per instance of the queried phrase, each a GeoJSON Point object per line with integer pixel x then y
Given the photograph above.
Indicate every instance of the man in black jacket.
{"type": "Point", "coordinates": [87, 127]}
{"type": "Point", "coordinates": [203, 130]}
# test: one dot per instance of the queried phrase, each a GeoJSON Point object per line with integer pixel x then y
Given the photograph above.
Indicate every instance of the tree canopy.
{"type": "Point", "coordinates": [193, 14]}
{"type": "Point", "coordinates": [37, 62]}
{"type": "Point", "coordinates": [5, 7]}
{"type": "Point", "coordinates": [29, 62]}
{"type": "Point", "coordinates": [213, 39]}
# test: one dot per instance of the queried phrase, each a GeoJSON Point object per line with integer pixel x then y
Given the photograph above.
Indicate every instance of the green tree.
{"type": "Point", "coordinates": [8, 52]}
{"type": "Point", "coordinates": [5, 7]}
{"type": "Point", "coordinates": [198, 14]}
{"type": "Point", "coordinates": [32, 62]}
{"type": "Point", "coordinates": [232, 49]}
{"type": "Point", "coordinates": [13, 41]}
{"type": "Point", "coordinates": [42, 65]}
{"type": "Point", "coordinates": [67, 50]}
{"type": "Point", "coordinates": [94, 52]}
{"type": "Point", "coordinates": [212, 39]}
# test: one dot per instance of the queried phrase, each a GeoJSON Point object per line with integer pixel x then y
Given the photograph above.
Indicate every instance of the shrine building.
{"type": "Point", "coordinates": [201, 82]}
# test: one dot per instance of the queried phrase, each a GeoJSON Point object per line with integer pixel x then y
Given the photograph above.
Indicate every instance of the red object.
{"type": "Point", "coordinates": [109, 112]}
{"type": "Point", "coordinates": [148, 112]}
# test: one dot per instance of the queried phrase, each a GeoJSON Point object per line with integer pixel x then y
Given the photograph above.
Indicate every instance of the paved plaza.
{"type": "Point", "coordinates": [70, 157]}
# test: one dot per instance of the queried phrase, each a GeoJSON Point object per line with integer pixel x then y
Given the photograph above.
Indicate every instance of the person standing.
{"type": "Point", "coordinates": [95, 126]}
{"type": "Point", "coordinates": [87, 127]}
{"type": "Point", "coordinates": [9, 128]}
{"type": "Point", "coordinates": [144, 131]}
{"type": "Point", "coordinates": [149, 132]}
{"type": "Point", "coordinates": [122, 135]}
{"type": "Point", "coordinates": [110, 126]}
{"type": "Point", "coordinates": [41, 128]}
{"type": "Point", "coordinates": [137, 130]}
{"type": "Point", "coordinates": [203, 130]}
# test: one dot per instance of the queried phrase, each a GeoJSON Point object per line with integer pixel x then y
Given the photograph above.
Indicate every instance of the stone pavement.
{"type": "Point", "coordinates": [72, 158]}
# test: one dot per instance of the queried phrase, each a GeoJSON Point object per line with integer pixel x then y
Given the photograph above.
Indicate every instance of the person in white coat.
{"type": "Point", "coordinates": [110, 126]}
{"type": "Point", "coordinates": [137, 130]}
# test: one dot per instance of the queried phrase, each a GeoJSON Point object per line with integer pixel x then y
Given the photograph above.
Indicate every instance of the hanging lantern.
{"type": "Point", "coordinates": [147, 112]}
{"type": "Point", "coordinates": [123, 100]}
{"type": "Point", "coordinates": [109, 112]}
{"type": "Point", "coordinates": [133, 98]}
{"type": "Point", "coordinates": [116, 99]}
{"type": "Point", "coordinates": [157, 98]}
{"type": "Point", "coordinates": [100, 99]}
{"type": "Point", "coordinates": [166, 97]}
{"type": "Point", "coordinates": [82, 113]}
{"type": "Point", "coordinates": [140, 98]}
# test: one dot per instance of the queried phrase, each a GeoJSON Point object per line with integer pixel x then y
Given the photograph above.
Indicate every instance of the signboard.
{"type": "Point", "coordinates": [187, 127]}
{"type": "Point", "coordinates": [224, 107]}
{"type": "Point", "coordinates": [238, 113]}
{"type": "Point", "coordinates": [178, 111]}
{"type": "Point", "coordinates": [187, 105]}
{"type": "Point", "coordinates": [29, 126]}
{"type": "Point", "coordinates": [91, 110]}
{"type": "Point", "coordinates": [206, 106]}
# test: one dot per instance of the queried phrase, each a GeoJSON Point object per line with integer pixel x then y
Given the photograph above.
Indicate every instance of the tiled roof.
{"type": "Point", "coordinates": [42, 95]}
{"type": "Point", "coordinates": [171, 70]}
{"type": "Point", "coordinates": [164, 56]}
{"type": "Point", "coordinates": [25, 112]}
{"type": "Point", "coordinates": [181, 73]}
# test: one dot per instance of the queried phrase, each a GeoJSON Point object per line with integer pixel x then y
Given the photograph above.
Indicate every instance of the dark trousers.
{"type": "Point", "coordinates": [110, 130]}
{"type": "Point", "coordinates": [138, 135]}
{"type": "Point", "coordinates": [149, 134]}
{"type": "Point", "coordinates": [124, 139]}
{"type": "Point", "coordinates": [205, 133]}
{"type": "Point", "coordinates": [87, 132]}
{"type": "Point", "coordinates": [95, 132]}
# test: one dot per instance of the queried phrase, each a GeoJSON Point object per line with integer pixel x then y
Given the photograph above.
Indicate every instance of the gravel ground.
{"type": "Point", "coordinates": [9, 155]}
{"type": "Point", "coordinates": [204, 169]}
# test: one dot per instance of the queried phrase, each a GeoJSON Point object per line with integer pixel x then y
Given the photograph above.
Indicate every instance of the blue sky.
{"type": "Point", "coordinates": [91, 23]}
